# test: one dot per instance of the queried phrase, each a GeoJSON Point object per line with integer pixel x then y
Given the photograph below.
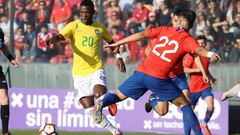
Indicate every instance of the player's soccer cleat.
{"type": "Point", "coordinates": [98, 112]}
{"type": "Point", "coordinates": [206, 130]}
{"type": "Point", "coordinates": [233, 92]}
{"type": "Point", "coordinates": [148, 106]}
{"type": "Point", "coordinates": [117, 132]}
{"type": "Point", "coordinates": [112, 109]}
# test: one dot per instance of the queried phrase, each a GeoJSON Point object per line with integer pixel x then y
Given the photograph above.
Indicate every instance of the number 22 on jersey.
{"type": "Point", "coordinates": [164, 44]}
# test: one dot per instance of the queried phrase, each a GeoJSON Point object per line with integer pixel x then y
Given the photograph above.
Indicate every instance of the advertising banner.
{"type": "Point", "coordinates": [30, 108]}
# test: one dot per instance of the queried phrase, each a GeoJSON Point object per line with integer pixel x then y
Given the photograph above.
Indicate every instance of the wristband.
{"type": "Point", "coordinates": [209, 54]}
{"type": "Point", "coordinates": [118, 55]}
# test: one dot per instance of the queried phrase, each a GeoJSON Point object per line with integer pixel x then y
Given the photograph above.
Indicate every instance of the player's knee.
{"type": "Point", "coordinates": [99, 90]}
{"type": "Point", "coordinates": [161, 111]}
{"type": "Point", "coordinates": [4, 100]}
{"type": "Point", "coordinates": [211, 108]}
{"type": "Point", "coordinates": [87, 102]}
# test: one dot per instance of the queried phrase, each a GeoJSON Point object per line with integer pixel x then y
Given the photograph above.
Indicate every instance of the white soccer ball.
{"type": "Point", "coordinates": [48, 129]}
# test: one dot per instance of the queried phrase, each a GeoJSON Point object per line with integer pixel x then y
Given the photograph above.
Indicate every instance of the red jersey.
{"type": "Point", "coordinates": [172, 45]}
{"type": "Point", "coordinates": [178, 68]}
{"type": "Point", "coordinates": [196, 83]}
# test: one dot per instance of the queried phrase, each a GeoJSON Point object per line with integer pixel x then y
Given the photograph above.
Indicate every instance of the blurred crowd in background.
{"type": "Point", "coordinates": [35, 21]}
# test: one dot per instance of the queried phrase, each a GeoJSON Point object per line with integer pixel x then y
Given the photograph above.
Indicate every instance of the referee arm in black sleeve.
{"type": "Point", "coordinates": [5, 50]}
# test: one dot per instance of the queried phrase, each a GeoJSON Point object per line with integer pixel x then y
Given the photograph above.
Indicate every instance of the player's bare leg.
{"type": "Point", "coordinates": [4, 111]}
{"type": "Point", "coordinates": [187, 95]}
{"type": "Point", "coordinates": [162, 108]}
{"type": "Point", "coordinates": [233, 92]}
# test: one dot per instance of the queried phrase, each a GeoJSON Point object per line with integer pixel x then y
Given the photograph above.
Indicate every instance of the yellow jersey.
{"type": "Point", "coordinates": [85, 40]}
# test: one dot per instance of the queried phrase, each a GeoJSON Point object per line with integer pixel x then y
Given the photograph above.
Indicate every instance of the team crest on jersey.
{"type": "Point", "coordinates": [97, 32]}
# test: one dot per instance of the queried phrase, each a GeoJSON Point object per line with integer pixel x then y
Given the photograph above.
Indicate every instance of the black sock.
{"type": "Point", "coordinates": [5, 118]}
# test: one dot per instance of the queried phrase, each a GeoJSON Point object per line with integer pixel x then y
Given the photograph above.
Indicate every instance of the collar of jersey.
{"type": "Point", "coordinates": [85, 24]}
{"type": "Point", "coordinates": [182, 28]}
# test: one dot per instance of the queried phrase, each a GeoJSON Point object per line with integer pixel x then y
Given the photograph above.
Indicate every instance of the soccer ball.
{"type": "Point", "coordinates": [48, 129]}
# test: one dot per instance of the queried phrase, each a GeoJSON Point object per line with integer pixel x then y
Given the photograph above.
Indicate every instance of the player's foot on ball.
{"type": "Point", "coordinates": [148, 106]}
{"type": "Point", "coordinates": [206, 130]}
{"type": "Point", "coordinates": [98, 111]}
{"type": "Point", "coordinates": [117, 132]}
{"type": "Point", "coordinates": [233, 92]}
{"type": "Point", "coordinates": [112, 109]}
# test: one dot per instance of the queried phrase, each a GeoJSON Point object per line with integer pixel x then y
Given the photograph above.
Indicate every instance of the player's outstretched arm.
{"type": "Point", "coordinates": [191, 70]}
{"type": "Point", "coordinates": [203, 52]}
{"type": "Point", "coordinates": [198, 62]}
{"type": "Point", "coordinates": [131, 38]}
{"type": "Point", "coordinates": [10, 57]}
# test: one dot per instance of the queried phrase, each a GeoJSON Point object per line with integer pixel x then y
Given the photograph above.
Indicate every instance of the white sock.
{"type": "Point", "coordinates": [104, 123]}
{"type": "Point", "coordinates": [107, 125]}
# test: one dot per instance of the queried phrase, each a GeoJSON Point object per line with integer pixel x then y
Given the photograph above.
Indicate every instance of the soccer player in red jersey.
{"type": "Point", "coordinates": [199, 88]}
{"type": "Point", "coordinates": [152, 74]}
{"type": "Point", "coordinates": [178, 77]}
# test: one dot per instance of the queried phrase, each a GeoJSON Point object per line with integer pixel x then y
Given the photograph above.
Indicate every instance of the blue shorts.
{"type": "Point", "coordinates": [181, 81]}
{"type": "Point", "coordinates": [139, 83]}
{"type": "Point", "coordinates": [203, 94]}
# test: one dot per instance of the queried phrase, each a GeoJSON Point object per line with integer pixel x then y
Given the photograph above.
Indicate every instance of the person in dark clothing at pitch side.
{"type": "Point", "coordinates": [4, 100]}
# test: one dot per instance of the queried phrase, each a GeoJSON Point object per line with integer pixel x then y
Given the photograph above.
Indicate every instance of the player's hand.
{"type": "Point", "coordinates": [121, 65]}
{"type": "Point", "coordinates": [15, 63]}
{"type": "Point", "coordinates": [114, 45]}
{"type": "Point", "coordinates": [205, 78]}
{"type": "Point", "coordinates": [215, 57]}
{"type": "Point", "coordinates": [214, 81]}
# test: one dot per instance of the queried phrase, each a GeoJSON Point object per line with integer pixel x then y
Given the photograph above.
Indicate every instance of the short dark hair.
{"type": "Point", "coordinates": [188, 14]}
{"type": "Point", "coordinates": [201, 37]}
{"type": "Point", "coordinates": [87, 3]}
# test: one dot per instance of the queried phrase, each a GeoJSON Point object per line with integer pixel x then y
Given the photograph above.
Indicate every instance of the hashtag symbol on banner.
{"type": "Point", "coordinates": [68, 101]}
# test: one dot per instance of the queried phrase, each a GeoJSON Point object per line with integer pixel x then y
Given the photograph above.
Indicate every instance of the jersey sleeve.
{"type": "Point", "coordinates": [190, 45]}
{"type": "Point", "coordinates": [154, 32]}
{"type": "Point", "coordinates": [68, 30]}
{"type": "Point", "coordinates": [106, 36]}
{"type": "Point", "coordinates": [188, 61]}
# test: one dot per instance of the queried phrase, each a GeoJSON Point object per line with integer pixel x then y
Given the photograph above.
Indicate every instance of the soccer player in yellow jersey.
{"type": "Point", "coordinates": [88, 68]}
